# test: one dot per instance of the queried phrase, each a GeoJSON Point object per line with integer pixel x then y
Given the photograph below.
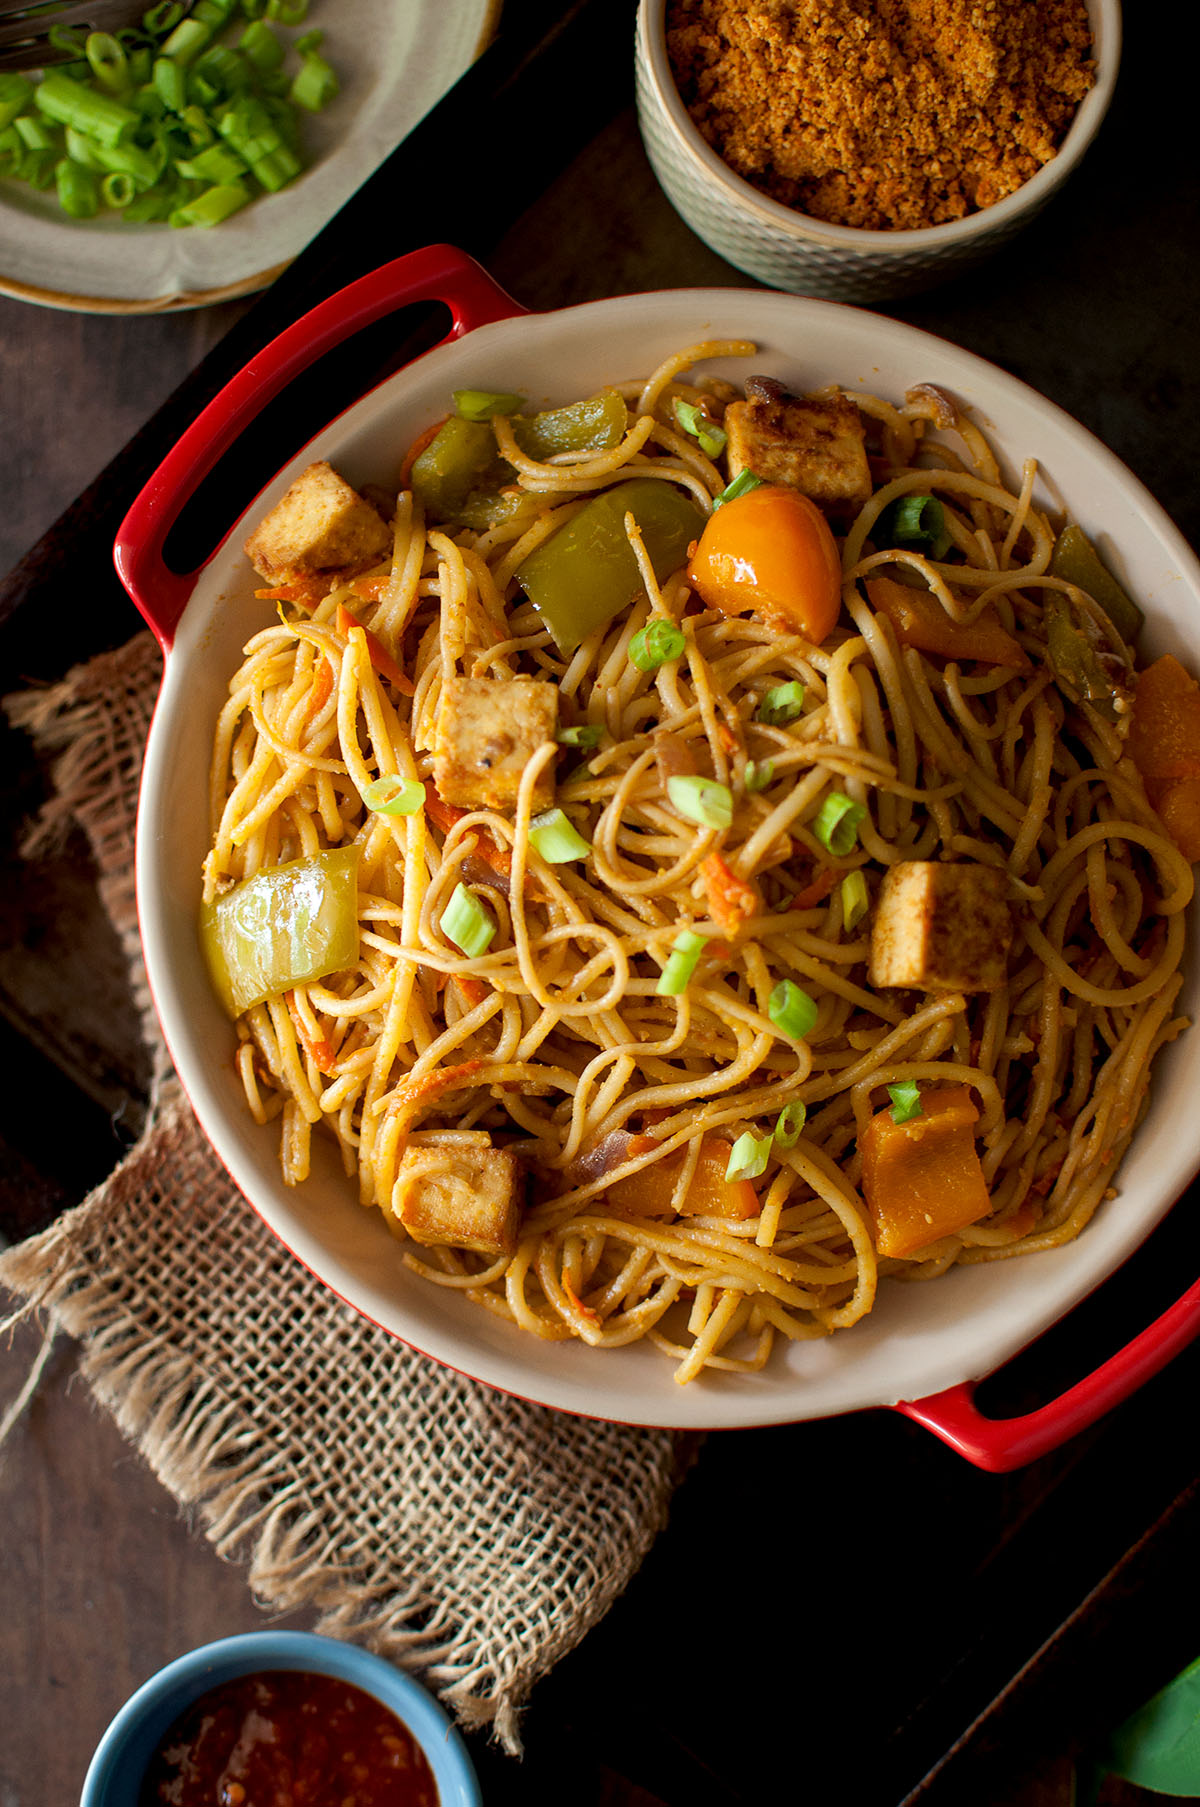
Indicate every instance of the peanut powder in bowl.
{"type": "Point", "coordinates": [889, 114]}
{"type": "Point", "coordinates": [861, 149]}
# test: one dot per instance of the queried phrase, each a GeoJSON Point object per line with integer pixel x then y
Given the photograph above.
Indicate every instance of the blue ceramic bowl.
{"type": "Point", "coordinates": [118, 1767]}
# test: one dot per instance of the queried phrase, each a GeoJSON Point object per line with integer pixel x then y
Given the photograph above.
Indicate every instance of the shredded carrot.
{"type": "Point", "coordinates": [731, 899]}
{"type": "Point", "coordinates": [319, 1049]}
{"type": "Point", "coordinates": [445, 815]}
{"type": "Point", "coordinates": [322, 688]}
{"type": "Point", "coordinates": [371, 588]}
{"type": "Point", "coordinates": [815, 890]}
{"type": "Point", "coordinates": [416, 448]}
{"type": "Point", "coordinates": [381, 658]}
{"type": "Point", "coordinates": [593, 1317]}
{"type": "Point", "coordinates": [306, 591]}
{"type": "Point", "coordinates": [412, 1093]}
{"type": "Point", "coordinates": [474, 991]}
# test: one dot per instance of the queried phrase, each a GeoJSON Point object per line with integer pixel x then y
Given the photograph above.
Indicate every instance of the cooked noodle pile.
{"type": "Point", "coordinates": [557, 1043]}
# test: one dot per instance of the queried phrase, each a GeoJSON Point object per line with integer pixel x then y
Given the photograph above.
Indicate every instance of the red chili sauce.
{"type": "Point", "coordinates": [284, 1738]}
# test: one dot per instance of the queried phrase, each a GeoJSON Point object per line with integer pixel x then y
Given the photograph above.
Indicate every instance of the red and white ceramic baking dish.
{"type": "Point", "coordinates": [924, 1347]}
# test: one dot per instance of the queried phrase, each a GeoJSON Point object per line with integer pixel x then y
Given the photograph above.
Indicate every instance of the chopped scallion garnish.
{"type": "Point", "coordinates": [586, 735]}
{"type": "Point", "coordinates": [391, 795]}
{"type": "Point", "coordinates": [836, 823]}
{"type": "Point", "coordinates": [791, 1010]}
{"type": "Point", "coordinates": [656, 643]}
{"type": "Point", "coordinates": [748, 1157]}
{"type": "Point", "coordinates": [758, 774]}
{"type": "Point", "coordinates": [906, 1101]}
{"type": "Point", "coordinates": [913, 521]}
{"type": "Point", "coordinates": [854, 899]}
{"type": "Point", "coordinates": [686, 950]}
{"type": "Point", "coordinates": [695, 421]}
{"type": "Point", "coordinates": [481, 404]}
{"type": "Point", "coordinates": [742, 483]}
{"type": "Point", "coordinates": [557, 839]}
{"type": "Point", "coordinates": [702, 800]}
{"type": "Point", "coordinates": [468, 923]}
{"type": "Point", "coordinates": [782, 704]}
{"type": "Point", "coordinates": [790, 1122]}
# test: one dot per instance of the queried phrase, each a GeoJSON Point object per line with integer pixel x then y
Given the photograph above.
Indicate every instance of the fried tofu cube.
{"type": "Point", "coordinates": [465, 1194]}
{"type": "Point", "coordinates": [488, 730]}
{"type": "Point", "coordinates": [814, 443]}
{"type": "Point", "coordinates": [320, 525]}
{"type": "Point", "coordinates": [941, 927]}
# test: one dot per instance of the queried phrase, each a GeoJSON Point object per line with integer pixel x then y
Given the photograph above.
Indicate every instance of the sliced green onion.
{"type": "Point", "coordinates": [557, 839]}
{"type": "Point", "coordinates": [78, 195]}
{"type": "Point", "coordinates": [782, 704]}
{"type": "Point", "coordinates": [836, 823]}
{"type": "Point", "coordinates": [748, 1157]}
{"type": "Point", "coordinates": [586, 735]}
{"type": "Point", "coordinates": [288, 12]}
{"type": "Point", "coordinates": [854, 899]}
{"type": "Point", "coordinates": [315, 85]}
{"type": "Point", "coordinates": [701, 800]}
{"type": "Point", "coordinates": [481, 404]}
{"type": "Point", "coordinates": [391, 795]}
{"type": "Point", "coordinates": [215, 163]}
{"type": "Point", "coordinates": [791, 1010]}
{"type": "Point", "coordinates": [790, 1122]}
{"type": "Point", "coordinates": [97, 116]}
{"type": "Point", "coordinates": [33, 134]}
{"type": "Point", "coordinates": [686, 950]}
{"type": "Point", "coordinates": [262, 46]}
{"type": "Point", "coordinates": [117, 189]}
{"type": "Point", "coordinates": [187, 40]}
{"type": "Point", "coordinates": [693, 420]}
{"type": "Point", "coordinates": [15, 95]}
{"type": "Point", "coordinates": [656, 643]}
{"type": "Point", "coordinates": [309, 44]}
{"type": "Point", "coordinates": [744, 481]}
{"type": "Point", "coordinates": [906, 1101]}
{"type": "Point", "coordinates": [467, 922]}
{"type": "Point", "coordinates": [162, 18]}
{"type": "Point", "coordinates": [108, 61]}
{"type": "Point", "coordinates": [913, 520]}
{"type": "Point", "coordinates": [211, 207]}
{"type": "Point", "coordinates": [758, 775]}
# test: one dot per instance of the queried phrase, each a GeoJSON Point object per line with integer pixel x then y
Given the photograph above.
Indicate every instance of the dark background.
{"type": "Point", "coordinates": [846, 1606]}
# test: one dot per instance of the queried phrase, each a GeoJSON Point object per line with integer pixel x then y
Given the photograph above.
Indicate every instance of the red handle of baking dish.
{"type": "Point", "coordinates": [436, 273]}
{"type": "Point", "coordinates": [1001, 1444]}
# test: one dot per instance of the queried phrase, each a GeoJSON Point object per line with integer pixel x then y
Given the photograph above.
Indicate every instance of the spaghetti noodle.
{"type": "Point", "coordinates": [665, 1082]}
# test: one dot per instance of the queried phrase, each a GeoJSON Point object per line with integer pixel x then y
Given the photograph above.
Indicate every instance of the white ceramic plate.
{"type": "Point", "coordinates": [921, 1338]}
{"type": "Point", "coordinates": [395, 60]}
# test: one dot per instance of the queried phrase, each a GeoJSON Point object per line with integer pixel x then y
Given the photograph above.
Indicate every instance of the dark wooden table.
{"type": "Point", "coordinates": [844, 1604]}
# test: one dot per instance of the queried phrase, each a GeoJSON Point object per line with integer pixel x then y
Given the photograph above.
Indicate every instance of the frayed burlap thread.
{"type": "Point", "coordinates": [470, 1537]}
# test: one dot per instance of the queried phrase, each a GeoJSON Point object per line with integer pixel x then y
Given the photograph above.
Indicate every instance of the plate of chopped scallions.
{"type": "Point", "coordinates": [188, 159]}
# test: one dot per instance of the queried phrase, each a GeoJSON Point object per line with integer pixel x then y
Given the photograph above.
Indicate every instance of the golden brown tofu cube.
{"type": "Point", "coordinates": [488, 730]}
{"type": "Point", "coordinates": [941, 927]}
{"type": "Point", "coordinates": [320, 525]}
{"type": "Point", "coordinates": [464, 1194]}
{"type": "Point", "coordinates": [815, 443]}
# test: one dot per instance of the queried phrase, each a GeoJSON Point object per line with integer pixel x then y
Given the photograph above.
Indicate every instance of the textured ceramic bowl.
{"type": "Point", "coordinates": [792, 251]}
{"type": "Point", "coordinates": [116, 1771]}
{"type": "Point", "coordinates": [919, 1340]}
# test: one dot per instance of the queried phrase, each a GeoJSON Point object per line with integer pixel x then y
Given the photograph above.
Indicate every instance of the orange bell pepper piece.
{"type": "Point", "coordinates": [920, 620]}
{"type": "Point", "coordinates": [770, 551]}
{"type": "Point", "coordinates": [648, 1192]}
{"type": "Point", "coordinates": [923, 1179]}
{"type": "Point", "coordinates": [1164, 744]}
{"type": "Point", "coordinates": [306, 591]}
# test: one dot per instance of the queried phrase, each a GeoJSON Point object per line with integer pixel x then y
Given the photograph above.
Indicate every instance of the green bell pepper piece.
{"type": "Point", "coordinates": [1088, 673]}
{"type": "Point", "coordinates": [460, 475]}
{"type": "Point", "coordinates": [1076, 561]}
{"type": "Point", "coordinates": [283, 927]}
{"type": "Point", "coordinates": [586, 574]}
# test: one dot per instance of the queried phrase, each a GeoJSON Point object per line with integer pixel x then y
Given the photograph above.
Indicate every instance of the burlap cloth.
{"type": "Point", "coordinates": [470, 1537]}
